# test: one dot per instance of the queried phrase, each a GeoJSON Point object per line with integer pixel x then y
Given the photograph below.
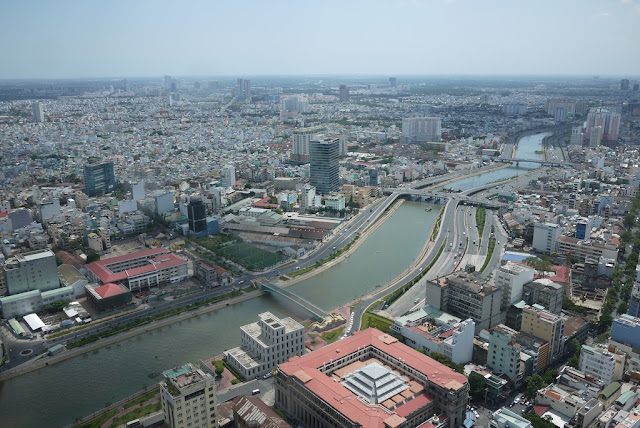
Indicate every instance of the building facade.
{"type": "Point", "coordinates": [544, 292]}
{"type": "Point", "coordinates": [602, 364]}
{"type": "Point", "coordinates": [510, 278]}
{"type": "Point", "coordinates": [35, 270]}
{"type": "Point", "coordinates": [546, 325]}
{"type": "Point", "coordinates": [324, 154]}
{"type": "Point", "coordinates": [370, 380]}
{"type": "Point", "coordinates": [545, 236]}
{"type": "Point", "coordinates": [188, 397]}
{"type": "Point", "coordinates": [301, 139]}
{"type": "Point", "coordinates": [265, 344]}
{"type": "Point", "coordinates": [99, 179]}
{"type": "Point", "coordinates": [503, 356]}
{"type": "Point", "coordinates": [421, 129]}
{"type": "Point", "coordinates": [197, 215]}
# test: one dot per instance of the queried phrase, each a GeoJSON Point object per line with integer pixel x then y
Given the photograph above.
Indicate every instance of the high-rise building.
{"type": "Point", "coordinates": [189, 398]}
{"type": "Point", "coordinates": [421, 129]}
{"type": "Point", "coordinates": [197, 214]}
{"type": "Point", "coordinates": [605, 118]}
{"type": "Point", "coordinates": [560, 114]}
{"type": "Point", "coordinates": [511, 278]}
{"type": "Point", "coordinates": [370, 380]}
{"type": "Point", "coordinates": [596, 136]}
{"type": "Point", "coordinates": [300, 144]}
{"type": "Point", "coordinates": [576, 136]}
{"type": "Point", "coordinates": [392, 82]}
{"type": "Point", "coordinates": [167, 82]}
{"type": "Point", "coordinates": [544, 292]}
{"type": "Point", "coordinates": [228, 176]}
{"type": "Point", "coordinates": [624, 84]}
{"type": "Point", "coordinates": [545, 325]}
{"type": "Point", "coordinates": [295, 103]}
{"type": "Point", "coordinates": [265, 344]}
{"type": "Point", "coordinates": [514, 108]}
{"type": "Point", "coordinates": [99, 179]}
{"type": "Point", "coordinates": [213, 84]}
{"type": "Point", "coordinates": [244, 90]}
{"type": "Point", "coordinates": [38, 112]}
{"type": "Point", "coordinates": [344, 93]}
{"type": "Point", "coordinates": [626, 329]}
{"type": "Point", "coordinates": [35, 270]}
{"type": "Point", "coordinates": [504, 353]}
{"type": "Point", "coordinates": [324, 154]}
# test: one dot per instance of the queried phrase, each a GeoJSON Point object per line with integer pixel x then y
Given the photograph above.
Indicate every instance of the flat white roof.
{"type": "Point", "coordinates": [34, 321]}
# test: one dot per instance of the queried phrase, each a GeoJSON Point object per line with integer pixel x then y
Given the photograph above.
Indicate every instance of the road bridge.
{"type": "Point", "coordinates": [541, 162]}
{"type": "Point", "coordinates": [396, 192]}
{"type": "Point", "coordinates": [318, 313]}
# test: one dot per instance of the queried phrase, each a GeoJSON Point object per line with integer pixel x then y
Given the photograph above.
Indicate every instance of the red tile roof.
{"type": "Point", "coordinates": [305, 368]}
{"type": "Point", "coordinates": [163, 260]}
{"type": "Point", "coordinates": [413, 405]}
{"type": "Point", "coordinates": [109, 290]}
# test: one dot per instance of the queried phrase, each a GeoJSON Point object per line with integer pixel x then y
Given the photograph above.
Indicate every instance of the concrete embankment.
{"type": "Point", "coordinates": [70, 353]}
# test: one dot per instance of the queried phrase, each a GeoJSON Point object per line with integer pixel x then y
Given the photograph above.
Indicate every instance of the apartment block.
{"type": "Point", "coordinates": [35, 270]}
{"type": "Point", "coordinates": [189, 398]}
{"type": "Point", "coordinates": [510, 278]}
{"type": "Point", "coordinates": [600, 363]}
{"type": "Point", "coordinates": [546, 325]}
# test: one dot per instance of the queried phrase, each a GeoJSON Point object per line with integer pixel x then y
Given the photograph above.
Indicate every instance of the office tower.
{"type": "Point", "coordinates": [308, 197]}
{"type": "Point", "coordinates": [38, 112]}
{"type": "Point", "coordinates": [576, 136]}
{"type": "Point", "coordinates": [596, 136]}
{"type": "Point", "coordinates": [324, 154]}
{"type": "Point", "coordinates": [228, 176]}
{"type": "Point", "coordinates": [545, 236]}
{"type": "Point", "coordinates": [164, 202]}
{"type": "Point", "coordinates": [421, 129]}
{"type": "Point", "coordinates": [541, 323]}
{"type": "Point", "coordinates": [295, 103]}
{"type": "Point", "coordinates": [167, 82]}
{"type": "Point", "coordinates": [624, 84]}
{"type": "Point", "coordinates": [607, 119]}
{"type": "Point", "coordinates": [197, 214]}
{"type": "Point", "coordinates": [189, 398]}
{"type": "Point", "coordinates": [344, 93]}
{"type": "Point", "coordinates": [99, 179]}
{"type": "Point", "coordinates": [301, 139]}
{"type": "Point", "coordinates": [244, 90]}
{"type": "Point", "coordinates": [392, 82]}
{"type": "Point", "coordinates": [35, 270]}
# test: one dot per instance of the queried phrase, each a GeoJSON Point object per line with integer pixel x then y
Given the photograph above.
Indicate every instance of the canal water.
{"type": "Point", "coordinates": [55, 396]}
{"type": "Point", "coordinates": [76, 387]}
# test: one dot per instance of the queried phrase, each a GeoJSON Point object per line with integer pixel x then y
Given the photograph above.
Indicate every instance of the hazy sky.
{"type": "Point", "coordinates": [115, 38]}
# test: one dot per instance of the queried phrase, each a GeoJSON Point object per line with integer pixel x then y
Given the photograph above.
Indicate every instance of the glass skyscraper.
{"type": "Point", "coordinates": [324, 154]}
{"type": "Point", "coordinates": [99, 179]}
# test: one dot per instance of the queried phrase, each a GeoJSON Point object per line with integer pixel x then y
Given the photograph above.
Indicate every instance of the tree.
{"type": "Point", "coordinates": [93, 257]}
{"type": "Point", "coordinates": [58, 261]}
{"type": "Point", "coordinates": [219, 371]}
{"type": "Point", "coordinates": [63, 200]}
{"type": "Point", "coordinates": [629, 221]}
{"type": "Point", "coordinates": [537, 421]}
{"type": "Point", "coordinates": [623, 307]}
{"type": "Point", "coordinates": [550, 376]}
{"type": "Point", "coordinates": [534, 383]}
{"type": "Point", "coordinates": [573, 362]}
{"type": "Point", "coordinates": [476, 385]}
{"type": "Point", "coordinates": [541, 264]}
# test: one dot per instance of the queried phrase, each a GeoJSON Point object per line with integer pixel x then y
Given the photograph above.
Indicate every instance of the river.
{"type": "Point", "coordinates": [58, 394]}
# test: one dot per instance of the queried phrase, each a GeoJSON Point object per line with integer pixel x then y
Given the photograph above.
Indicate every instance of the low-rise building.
{"type": "Point", "coordinates": [626, 329]}
{"type": "Point", "coordinates": [544, 292]}
{"type": "Point", "coordinates": [602, 364]}
{"type": "Point", "coordinates": [560, 400]}
{"type": "Point", "coordinates": [505, 418]}
{"type": "Point", "coordinates": [265, 344]}
{"type": "Point", "coordinates": [454, 340]}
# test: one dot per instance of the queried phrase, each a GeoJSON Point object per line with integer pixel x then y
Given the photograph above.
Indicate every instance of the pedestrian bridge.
{"type": "Point", "coordinates": [318, 313]}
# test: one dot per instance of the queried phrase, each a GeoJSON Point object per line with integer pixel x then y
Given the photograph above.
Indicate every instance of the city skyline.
{"type": "Point", "coordinates": [372, 38]}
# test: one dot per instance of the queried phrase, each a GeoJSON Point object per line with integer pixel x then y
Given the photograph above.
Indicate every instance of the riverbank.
{"type": "Point", "coordinates": [67, 354]}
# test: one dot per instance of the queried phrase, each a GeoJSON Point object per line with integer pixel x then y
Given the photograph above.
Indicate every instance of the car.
{"type": "Point", "coordinates": [241, 282]}
{"type": "Point", "coordinates": [298, 267]}
{"type": "Point", "coordinates": [416, 300]}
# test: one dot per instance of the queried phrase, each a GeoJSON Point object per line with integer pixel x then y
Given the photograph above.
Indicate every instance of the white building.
{"type": "Point", "coordinates": [296, 103]}
{"type": "Point", "coordinates": [454, 339]}
{"type": "Point", "coordinates": [545, 236]}
{"type": "Point", "coordinates": [602, 364]}
{"type": "Point", "coordinates": [510, 278]}
{"type": "Point", "coordinates": [265, 344]}
{"type": "Point", "coordinates": [164, 201]}
{"type": "Point", "coordinates": [228, 176]}
{"type": "Point", "coordinates": [300, 144]}
{"type": "Point", "coordinates": [505, 418]}
{"type": "Point", "coordinates": [308, 197]}
{"type": "Point", "coordinates": [38, 112]}
{"type": "Point", "coordinates": [189, 398]}
{"type": "Point", "coordinates": [576, 136]}
{"type": "Point", "coordinates": [422, 128]}
{"type": "Point", "coordinates": [335, 202]}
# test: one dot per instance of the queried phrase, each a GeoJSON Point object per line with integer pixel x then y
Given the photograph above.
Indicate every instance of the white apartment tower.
{"type": "Point", "coordinates": [265, 344]}
{"type": "Point", "coordinates": [602, 364]}
{"type": "Point", "coordinates": [545, 236]}
{"type": "Point", "coordinates": [38, 112]}
{"type": "Point", "coordinates": [189, 398]}
{"type": "Point", "coordinates": [228, 176]}
{"type": "Point", "coordinates": [511, 278]}
{"type": "Point", "coordinates": [421, 129]}
{"type": "Point", "coordinates": [308, 197]}
{"type": "Point", "coordinates": [300, 144]}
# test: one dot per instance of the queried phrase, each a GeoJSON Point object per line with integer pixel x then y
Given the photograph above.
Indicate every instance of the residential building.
{"type": "Point", "coordinates": [228, 176]}
{"type": "Point", "coordinates": [370, 380]}
{"type": "Point", "coordinates": [607, 119]}
{"type": "Point", "coordinates": [99, 179]}
{"type": "Point", "coordinates": [307, 198]}
{"type": "Point", "coordinates": [143, 269]}
{"type": "Point", "coordinates": [463, 295]}
{"type": "Point", "coordinates": [301, 140]}
{"type": "Point", "coordinates": [595, 138]}
{"type": "Point", "coordinates": [164, 202]}
{"type": "Point", "coordinates": [510, 278]}
{"type": "Point", "coordinates": [244, 90]}
{"type": "Point", "coordinates": [580, 250]}
{"type": "Point", "coordinates": [577, 137]}
{"type": "Point", "coordinates": [602, 364]}
{"type": "Point", "coordinates": [197, 215]}
{"type": "Point", "coordinates": [578, 380]}
{"type": "Point", "coordinates": [421, 129]}
{"type": "Point", "coordinates": [209, 275]}
{"type": "Point", "coordinates": [587, 413]}
{"type": "Point", "coordinates": [505, 418]}
{"type": "Point", "coordinates": [454, 339]}
{"type": "Point", "coordinates": [38, 112]}
{"type": "Point", "coordinates": [514, 109]}
{"type": "Point", "coordinates": [296, 103]}
{"type": "Point", "coordinates": [544, 292]}
{"type": "Point", "coordinates": [344, 93]}
{"type": "Point", "coordinates": [188, 397]}
{"type": "Point", "coordinates": [559, 399]}
{"type": "Point", "coordinates": [265, 344]}
{"type": "Point", "coordinates": [35, 270]}
{"type": "Point", "coordinates": [545, 325]}
{"type": "Point", "coordinates": [545, 236]}
{"type": "Point", "coordinates": [393, 82]}
{"type": "Point", "coordinates": [503, 356]}
{"type": "Point", "coordinates": [324, 170]}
